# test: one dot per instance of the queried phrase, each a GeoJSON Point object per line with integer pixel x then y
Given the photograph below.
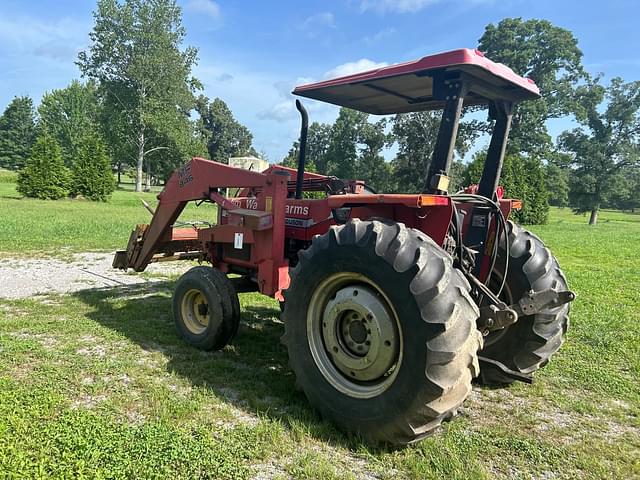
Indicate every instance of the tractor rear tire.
{"type": "Point", "coordinates": [527, 345]}
{"type": "Point", "coordinates": [206, 309]}
{"type": "Point", "coordinates": [381, 331]}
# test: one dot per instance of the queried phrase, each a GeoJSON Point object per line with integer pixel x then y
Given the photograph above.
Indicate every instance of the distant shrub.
{"type": "Point", "coordinates": [522, 178]}
{"type": "Point", "coordinates": [44, 174]}
{"type": "Point", "coordinates": [92, 176]}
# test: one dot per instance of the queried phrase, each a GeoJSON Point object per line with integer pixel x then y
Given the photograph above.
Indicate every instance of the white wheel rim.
{"type": "Point", "coordinates": [354, 335]}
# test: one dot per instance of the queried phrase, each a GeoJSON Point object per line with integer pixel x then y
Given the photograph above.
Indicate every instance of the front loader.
{"type": "Point", "coordinates": [392, 303]}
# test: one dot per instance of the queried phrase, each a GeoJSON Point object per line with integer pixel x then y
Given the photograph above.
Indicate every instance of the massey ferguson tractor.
{"type": "Point", "coordinates": [391, 303]}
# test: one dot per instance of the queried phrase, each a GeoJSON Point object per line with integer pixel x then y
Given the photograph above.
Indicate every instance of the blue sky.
{"type": "Point", "coordinates": [251, 54]}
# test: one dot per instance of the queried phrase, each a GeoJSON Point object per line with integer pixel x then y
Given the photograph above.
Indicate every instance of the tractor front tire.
{"type": "Point", "coordinates": [527, 345]}
{"type": "Point", "coordinates": [206, 309]}
{"type": "Point", "coordinates": [381, 331]}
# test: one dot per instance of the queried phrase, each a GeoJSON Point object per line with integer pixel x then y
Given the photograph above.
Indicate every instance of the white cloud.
{"type": "Point", "coordinates": [55, 39]}
{"type": "Point", "coordinates": [207, 7]}
{"type": "Point", "coordinates": [281, 111]}
{"type": "Point", "coordinates": [398, 6]}
{"type": "Point", "coordinates": [285, 108]}
{"type": "Point", "coordinates": [350, 68]}
{"type": "Point", "coordinates": [30, 46]}
{"type": "Point", "coordinates": [379, 36]}
{"type": "Point", "coordinates": [224, 77]}
{"type": "Point", "coordinates": [323, 19]}
{"type": "Point", "coordinates": [263, 102]}
{"type": "Point", "coordinates": [318, 25]}
{"type": "Point", "coordinates": [411, 6]}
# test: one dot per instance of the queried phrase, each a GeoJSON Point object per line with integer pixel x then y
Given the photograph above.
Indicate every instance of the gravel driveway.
{"type": "Point", "coordinates": [25, 277]}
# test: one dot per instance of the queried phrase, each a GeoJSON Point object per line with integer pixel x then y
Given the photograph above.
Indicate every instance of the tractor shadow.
{"type": "Point", "coordinates": [251, 374]}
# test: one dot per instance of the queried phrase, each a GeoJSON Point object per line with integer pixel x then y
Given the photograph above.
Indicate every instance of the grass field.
{"type": "Point", "coordinates": [64, 226]}
{"type": "Point", "coordinates": [97, 384]}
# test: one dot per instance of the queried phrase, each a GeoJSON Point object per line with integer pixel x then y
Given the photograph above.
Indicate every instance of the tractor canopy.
{"type": "Point", "coordinates": [422, 84]}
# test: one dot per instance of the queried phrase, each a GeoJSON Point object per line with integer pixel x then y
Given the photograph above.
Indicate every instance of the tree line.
{"type": "Point", "coordinates": [139, 108]}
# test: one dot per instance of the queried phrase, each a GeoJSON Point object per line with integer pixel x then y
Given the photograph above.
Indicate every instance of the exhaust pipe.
{"type": "Point", "coordinates": [304, 128]}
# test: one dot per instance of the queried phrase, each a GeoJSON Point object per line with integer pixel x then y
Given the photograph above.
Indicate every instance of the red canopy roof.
{"type": "Point", "coordinates": [408, 87]}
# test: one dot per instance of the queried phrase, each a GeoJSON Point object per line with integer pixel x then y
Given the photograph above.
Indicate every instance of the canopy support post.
{"type": "Point", "coordinates": [452, 92]}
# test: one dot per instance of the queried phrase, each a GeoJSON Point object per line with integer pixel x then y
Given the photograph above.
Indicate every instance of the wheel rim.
{"type": "Point", "coordinates": [195, 311]}
{"type": "Point", "coordinates": [354, 335]}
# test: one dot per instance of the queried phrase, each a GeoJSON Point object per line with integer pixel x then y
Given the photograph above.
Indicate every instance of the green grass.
{"type": "Point", "coordinates": [8, 176]}
{"type": "Point", "coordinates": [66, 226]}
{"type": "Point", "coordinates": [97, 384]}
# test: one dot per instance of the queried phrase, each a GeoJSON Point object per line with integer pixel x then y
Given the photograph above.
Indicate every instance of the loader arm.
{"type": "Point", "coordinates": [199, 179]}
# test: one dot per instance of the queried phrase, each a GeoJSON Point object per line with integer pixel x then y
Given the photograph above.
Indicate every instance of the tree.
{"type": "Point", "coordinates": [550, 56]}
{"type": "Point", "coordinates": [557, 184]}
{"type": "Point", "coordinates": [185, 144]}
{"type": "Point", "coordinates": [342, 150]}
{"type": "Point", "coordinates": [522, 178]}
{"type": "Point", "coordinates": [606, 143]}
{"type": "Point", "coordinates": [416, 134]}
{"type": "Point", "coordinates": [17, 132]}
{"type": "Point", "coordinates": [457, 176]}
{"type": "Point", "coordinates": [349, 149]}
{"type": "Point", "coordinates": [626, 191]}
{"type": "Point", "coordinates": [143, 74]}
{"type": "Point", "coordinates": [69, 115]}
{"type": "Point", "coordinates": [44, 174]}
{"type": "Point", "coordinates": [91, 174]}
{"type": "Point", "coordinates": [371, 165]}
{"type": "Point", "coordinates": [224, 136]}
{"type": "Point", "coordinates": [317, 146]}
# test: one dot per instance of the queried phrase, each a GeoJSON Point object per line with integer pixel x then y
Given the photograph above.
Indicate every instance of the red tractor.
{"type": "Point", "coordinates": [392, 303]}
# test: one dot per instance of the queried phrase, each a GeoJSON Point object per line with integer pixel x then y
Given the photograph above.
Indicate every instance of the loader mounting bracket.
{"type": "Point", "coordinates": [498, 315]}
{"type": "Point", "coordinates": [534, 302]}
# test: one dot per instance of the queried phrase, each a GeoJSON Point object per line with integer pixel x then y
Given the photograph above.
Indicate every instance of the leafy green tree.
{"type": "Point", "coordinates": [44, 174]}
{"type": "Point", "coordinates": [522, 178]}
{"type": "Point", "coordinates": [317, 145]}
{"type": "Point", "coordinates": [350, 149]}
{"type": "Point", "coordinates": [557, 184]}
{"type": "Point", "coordinates": [371, 165]}
{"type": "Point", "coordinates": [69, 115]}
{"type": "Point", "coordinates": [186, 143]}
{"type": "Point", "coordinates": [224, 136]}
{"type": "Point", "coordinates": [606, 143]}
{"type": "Point", "coordinates": [143, 75]}
{"type": "Point", "coordinates": [17, 132]}
{"type": "Point", "coordinates": [291, 161]}
{"type": "Point", "coordinates": [535, 195]}
{"type": "Point", "coordinates": [91, 173]}
{"type": "Point", "coordinates": [626, 191]}
{"type": "Point", "coordinates": [342, 150]}
{"type": "Point", "coordinates": [550, 56]}
{"type": "Point", "coordinates": [457, 176]}
{"type": "Point", "coordinates": [416, 135]}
